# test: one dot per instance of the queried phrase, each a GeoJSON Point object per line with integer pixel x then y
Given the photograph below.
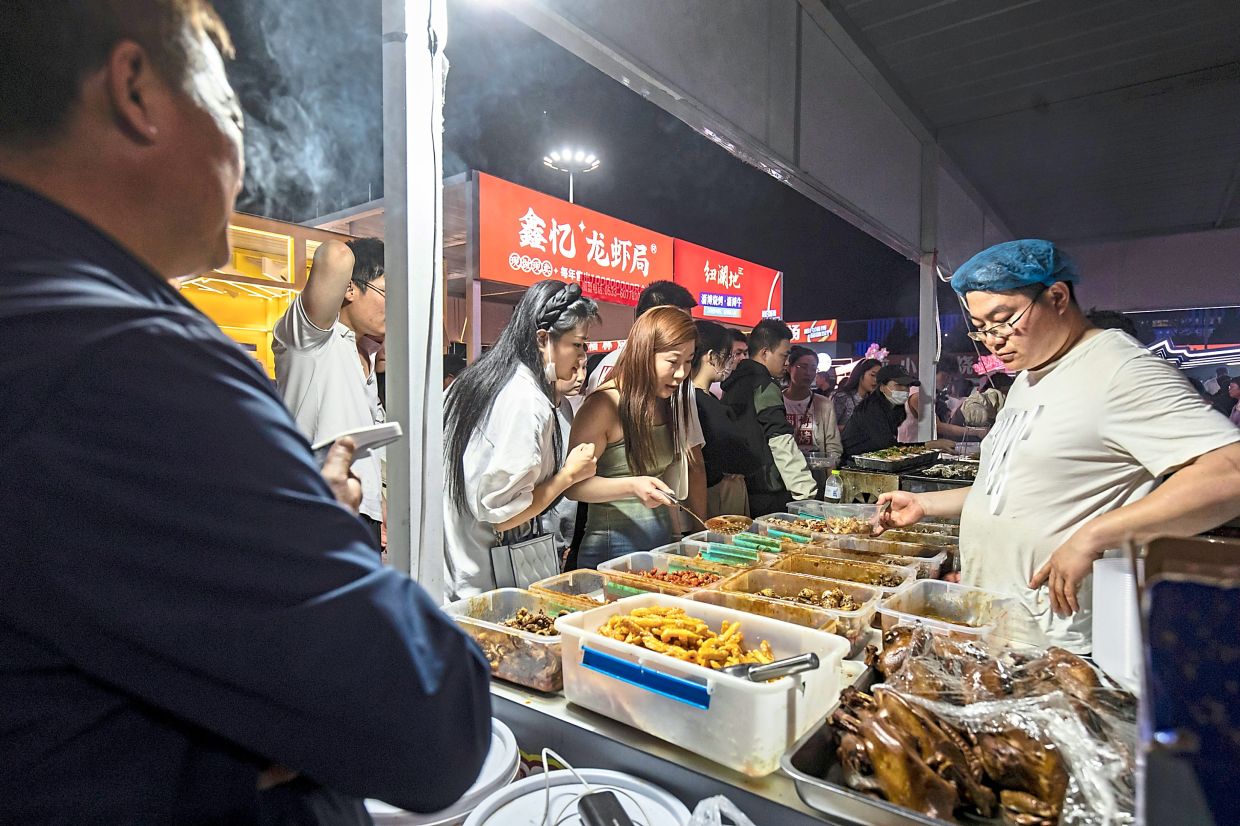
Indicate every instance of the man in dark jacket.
{"type": "Point", "coordinates": [875, 422]}
{"type": "Point", "coordinates": [753, 397]}
{"type": "Point", "coordinates": [193, 630]}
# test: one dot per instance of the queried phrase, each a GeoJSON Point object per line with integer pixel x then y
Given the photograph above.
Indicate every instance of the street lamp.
{"type": "Point", "coordinates": [572, 161]}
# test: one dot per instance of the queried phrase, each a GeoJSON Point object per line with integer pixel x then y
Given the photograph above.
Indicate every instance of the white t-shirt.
{"type": "Point", "coordinates": [602, 371]}
{"type": "Point", "coordinates": [511, 454]}
{"type": "Point", "coordinates": [320, 378]}
{"type": "Point", "coordinates": [1083, 436]}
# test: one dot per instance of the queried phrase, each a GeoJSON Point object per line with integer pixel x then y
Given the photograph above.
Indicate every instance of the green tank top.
{"type": "Point", "coordinates": [614, 463]}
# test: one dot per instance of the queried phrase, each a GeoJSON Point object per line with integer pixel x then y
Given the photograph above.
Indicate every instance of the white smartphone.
{"type": "Point", "coordinates": [366, 439]}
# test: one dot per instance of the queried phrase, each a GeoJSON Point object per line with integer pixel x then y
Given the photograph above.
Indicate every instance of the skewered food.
{"type": "Point", "coordinates": [672, 632]}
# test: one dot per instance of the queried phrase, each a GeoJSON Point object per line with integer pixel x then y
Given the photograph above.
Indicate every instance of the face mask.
{"type": "Point", "coordinates": [899, 396]}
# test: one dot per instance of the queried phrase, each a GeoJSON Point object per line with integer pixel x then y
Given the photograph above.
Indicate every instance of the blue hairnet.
{"type": "Point", "coordinates": [1013, 264]}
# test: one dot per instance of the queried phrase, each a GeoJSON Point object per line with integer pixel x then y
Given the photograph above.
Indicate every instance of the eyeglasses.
{"type": "Point", "coordinates": [365, 287]}
{"type": "Point", "coordinates": [1005, 328]}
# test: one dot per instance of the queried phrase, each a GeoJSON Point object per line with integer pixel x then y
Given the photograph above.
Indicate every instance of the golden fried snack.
{"type": "Point", "coordinates": [672, 632]}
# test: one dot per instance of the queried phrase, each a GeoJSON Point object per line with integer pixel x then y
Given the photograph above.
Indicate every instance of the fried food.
{"type": "Point", "coordinates": [526, 620]}
{"type": "Point", "coordinates": [728, 525]}
{"type": "Point", "coordinates": [673, 632]}
{"type": "Point", "coordinates": [687, 579]}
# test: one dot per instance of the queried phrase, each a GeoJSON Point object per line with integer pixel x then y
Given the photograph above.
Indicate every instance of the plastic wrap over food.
{"type": "Point", "coordinates": [1047, 731]}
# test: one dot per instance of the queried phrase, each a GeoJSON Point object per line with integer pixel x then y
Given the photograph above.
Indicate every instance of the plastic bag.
{"type": "Point", "coordinates": [713, 810]}
{"type": "Point", "coordinates": [1051, 696]}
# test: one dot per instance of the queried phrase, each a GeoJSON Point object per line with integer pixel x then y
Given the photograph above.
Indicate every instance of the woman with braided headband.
{"type": "Point", "coordinates": [502, 442]}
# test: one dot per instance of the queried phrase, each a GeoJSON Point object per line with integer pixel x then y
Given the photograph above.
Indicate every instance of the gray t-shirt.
{"type": "Point", "coordinates": [1083, 436]}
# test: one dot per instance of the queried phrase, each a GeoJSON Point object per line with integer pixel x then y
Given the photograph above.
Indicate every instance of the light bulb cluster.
{"type": "Point", "coordinates": [571, 160]}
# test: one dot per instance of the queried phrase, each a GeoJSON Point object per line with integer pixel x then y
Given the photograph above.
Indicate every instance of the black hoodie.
{"type": "Point", "coordinates": [752, 396]}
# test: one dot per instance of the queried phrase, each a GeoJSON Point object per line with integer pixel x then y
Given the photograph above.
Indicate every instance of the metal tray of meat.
{"type": "Point", "coordinates": [813, 765]}
{"type": "Point", "coordinates": [868, 462]}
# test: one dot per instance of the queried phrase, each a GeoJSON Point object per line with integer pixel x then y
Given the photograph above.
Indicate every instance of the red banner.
{"type": "Point", "coordinates": [813, 332]}
{"type": "Point", "coordinates": [727, 288]}
{"type": "Point", "coordinates": [525, 237]}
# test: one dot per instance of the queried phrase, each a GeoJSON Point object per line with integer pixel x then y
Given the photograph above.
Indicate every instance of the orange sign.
{"type": "Point", "coordinates": [525, 237]}
{"type": "Point", "coordinates": [604, 346]}
{"type": "Point", "coordinates": [727, 288]}
{"type": "Point", "coordinates": [812, 332]}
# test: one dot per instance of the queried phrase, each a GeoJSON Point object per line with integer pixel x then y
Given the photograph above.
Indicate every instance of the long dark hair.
{"type": "Point", "coordinates": [553, 306]}
{"type": "Point", "coordinates": [662, 328]}
{"type": "Point", "coordinates": [712, 339]}
{"type": "Point", "coordinates": [853, 381]}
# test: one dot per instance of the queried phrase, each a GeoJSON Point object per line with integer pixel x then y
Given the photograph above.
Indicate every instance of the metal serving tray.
{"type": "Point", "coordinates": [895, 465]}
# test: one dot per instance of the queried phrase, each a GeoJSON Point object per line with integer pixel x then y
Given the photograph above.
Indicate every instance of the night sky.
{"type": "Point", "coordinates": [315, 145]}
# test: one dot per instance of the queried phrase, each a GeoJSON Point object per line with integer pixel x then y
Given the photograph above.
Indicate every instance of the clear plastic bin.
{"type": "Point", "coordinates": [882, 545]}
{"type": "Point", "coordinates": [814, 509]}
{"type": "Point", "coordinates": [635, 564]}
{"type": "Point", "coordinates": [947, 607]}
{"type": "Point", "coordinates": [720, 553]}
{"type": "Point", "coordinates": [851, 625]}
{"type": "Point", "coordinates": [804, 615]}
{"type": "Point", "coordinates": [937, 541]}
{"type": "Point", "coordinates": [590, 589]}
{"type": "Point", "coordinates": [770, 525]}
{"type": "Point", "coordinates": [520, 657]}
{"type": "Point", "coordinates": [928, 567]}
{"type": "Point", "coordinates": [743, 725]}
{"type": "Point", "coordinates": [937, 528]}
{"type": "Point", "coordinates": [865, 573]}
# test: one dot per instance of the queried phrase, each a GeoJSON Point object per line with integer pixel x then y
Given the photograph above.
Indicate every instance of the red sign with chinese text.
{"type": "Point", "coordinates": [814, 332]}
{"type": "Point", "coordinates": [727, 288]}
{"type": "Point", "coordinates": [604, 346]}
{"type": "Point", "coordinates": [525, 237]}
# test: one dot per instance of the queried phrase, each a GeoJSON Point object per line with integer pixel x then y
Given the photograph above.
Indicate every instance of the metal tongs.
{"type": "Point", "coordinates": [772, 671]}
{"type": "Point", "coordinates": [884, 508]}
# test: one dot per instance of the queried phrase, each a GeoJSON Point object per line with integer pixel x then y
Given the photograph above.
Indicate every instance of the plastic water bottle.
{"type": "Point", "coordinates": [834, 490]}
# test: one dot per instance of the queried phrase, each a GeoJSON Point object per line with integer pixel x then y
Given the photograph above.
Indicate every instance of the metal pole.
{"type": "Point", "coordinates": [570, 187]}
{"type": "Point", "coordinates": [928, 332]}
{"type": "Point", "coordinates": [413, 69]}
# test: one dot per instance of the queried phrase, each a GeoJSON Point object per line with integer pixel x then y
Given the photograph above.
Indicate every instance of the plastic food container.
{"type": "Point", "coordinates": [520, 657]}
{"type": "Point", "coordinates": [937, 528]}
{"type": "Point", "coordinates": [743, 725]}
{"type": "Point", "coordinates": [634, 564]}
{"type": "Point", "coordinates": [865, 573]}
{"type": "Point", "coordinates": [882, 545]}
{"type": "Point", "coordinates": [934, 540]}
{"type": "Point", "coordinates": [946, 607]}
{"type": "Point", "coordinates": [851, 625]}
{"type": "Point", "coordinates": [826, 510]}
{"type": "Point", "coordinates": [766, 525]}
{"type": "Point", "coordinates": [720, 553]}
{"type": "Point", "coordinates": [928, 567]}
{"type": "Point", "coordinates": [588, 589]}
{"type": "Point", "coordinates": [803, 615]}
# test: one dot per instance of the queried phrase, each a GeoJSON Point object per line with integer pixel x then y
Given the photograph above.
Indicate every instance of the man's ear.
{"type": "Point", "coordinates": [351, 292]}
{"type": "Point", "coordinates": [138, 96]}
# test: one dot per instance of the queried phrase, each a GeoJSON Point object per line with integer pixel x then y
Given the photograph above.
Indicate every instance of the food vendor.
{"type": "Point", "coordinates": [1099, 442]}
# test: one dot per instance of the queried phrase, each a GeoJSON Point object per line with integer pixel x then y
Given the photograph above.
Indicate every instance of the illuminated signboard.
{"type": "Point", "coordinates": [814, 332]}
{"type": "Point", "coordinates": [526, 237]}
{"type": "Point", "coordinates": [728, 288]}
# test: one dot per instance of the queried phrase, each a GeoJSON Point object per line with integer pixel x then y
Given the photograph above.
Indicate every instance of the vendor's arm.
{"type": "Point", "coordinates": [1156, 417]}
{"type": "Point", "coordinates": [326, 285]}
{"type": "Point", "coordinates": [593, 425]}
{"type": "Point", "coordinates": [251, 606]}
{"type": "Point", "coordinates": [910, 508]}
{"type": "Point", "coordinates": [1201, 496]}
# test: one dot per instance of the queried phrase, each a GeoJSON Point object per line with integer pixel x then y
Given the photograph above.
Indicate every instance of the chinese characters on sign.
{"type": "Point", "coordinates": [726, 287]}
{"type": "Point", "coordinates": [811, 332]}
{"type": "Point", "coordinates": [526, 236]}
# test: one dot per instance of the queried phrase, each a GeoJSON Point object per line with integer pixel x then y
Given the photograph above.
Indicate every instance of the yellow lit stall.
{"type": "Point", "coordinates": [269, 265]}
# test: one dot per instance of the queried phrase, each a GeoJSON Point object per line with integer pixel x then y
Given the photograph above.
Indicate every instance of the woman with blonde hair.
{"type": "Point", "coordinates": [636, 423]}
